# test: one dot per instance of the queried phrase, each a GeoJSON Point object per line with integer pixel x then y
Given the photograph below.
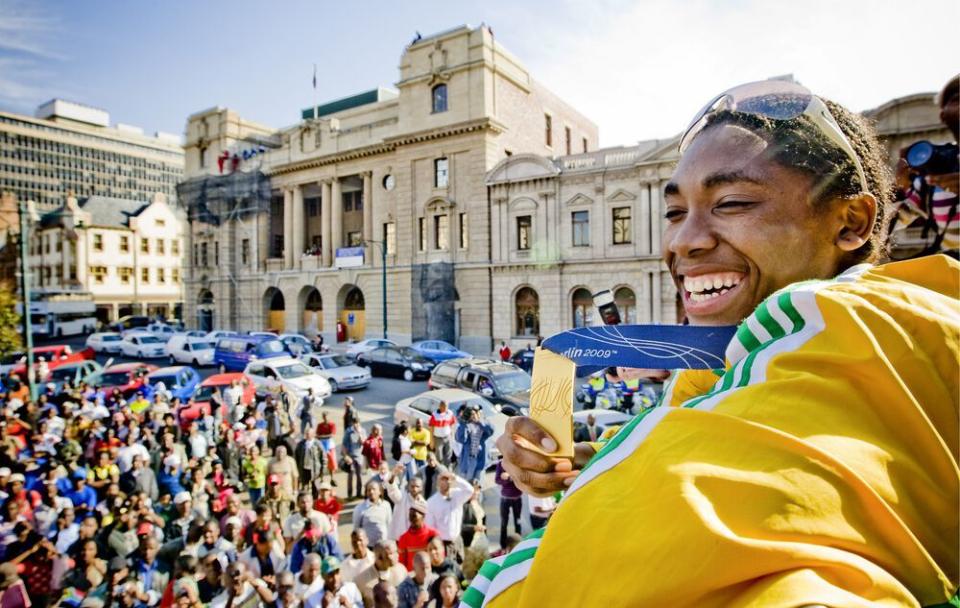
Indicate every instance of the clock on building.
{"type": "Point", "coordinates": [389, 182]}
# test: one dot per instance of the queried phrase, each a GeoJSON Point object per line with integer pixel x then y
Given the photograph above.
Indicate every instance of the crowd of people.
{"type": "Point", "coordinates": [112, 500]}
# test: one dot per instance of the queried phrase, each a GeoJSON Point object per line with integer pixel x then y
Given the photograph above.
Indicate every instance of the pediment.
{"type": "Point", "coordinates": [523, 204]}
{"type": "Point", "coordinates": [522, 167]}
{"type": "Point", "coordinates": [621, 196]}
{"type": "Point", "coordinates": [580, 199]}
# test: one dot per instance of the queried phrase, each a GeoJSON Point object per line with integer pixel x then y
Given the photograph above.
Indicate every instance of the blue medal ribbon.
{"type": "Point", "coordinates": [643, 346]}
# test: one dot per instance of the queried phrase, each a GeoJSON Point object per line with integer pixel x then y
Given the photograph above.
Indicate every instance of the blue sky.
{"type": "Point", "coordinates": [639, 69]}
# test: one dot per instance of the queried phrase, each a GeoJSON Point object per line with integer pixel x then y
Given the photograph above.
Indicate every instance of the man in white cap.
{"type": "Point", "coordinates": [177, 527]}
{"type": "Point", "coordinates": [403, 501]}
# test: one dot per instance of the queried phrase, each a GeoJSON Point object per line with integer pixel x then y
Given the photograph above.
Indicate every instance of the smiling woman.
{"type": "Point", "coordinates": [819, 467]}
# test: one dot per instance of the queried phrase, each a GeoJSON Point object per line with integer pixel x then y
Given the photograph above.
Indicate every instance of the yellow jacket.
{"type": "Point", "coordinates": [819, 468]}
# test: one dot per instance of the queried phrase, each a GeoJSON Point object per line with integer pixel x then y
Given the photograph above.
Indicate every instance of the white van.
{"type": "Point", "coordinates": [189, 350]}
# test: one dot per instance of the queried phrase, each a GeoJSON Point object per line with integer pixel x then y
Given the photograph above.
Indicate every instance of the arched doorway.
{"type": "Point", "coordinates": [527, 312]}
{"type": "Point", "coordinates": [276, 308]}
{"type": "Point", "coordinates": [312, 305]}
{"type": "Point", "coordinates": [205, 310]}
{"type": "Point", "coordinates": [582, 302]}
{"type": "Point", "coordinates": [352, 313]}
{"type": "Point", "coordinates": [626, 302]}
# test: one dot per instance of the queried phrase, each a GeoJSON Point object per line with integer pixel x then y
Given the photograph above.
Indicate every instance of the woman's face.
{"type": "Point", "coordinates": [448, 590]}
{"type": "Point", "coordinates": [740, 226]}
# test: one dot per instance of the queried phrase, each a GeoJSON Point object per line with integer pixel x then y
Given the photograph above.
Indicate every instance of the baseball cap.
{"type": "Point", "coordinates": [234, 521]}
{"type": "Point", "coordinates": [4, 472]}
{"type": "Point", "coordinates": [181, 498]}
{"type": "Point", "coordinates": [80, 473]}
{"type": "Point", "coordinates": [324, 485]}
{"type": "Point", "coordinates": [420, 506]}
{"type": "Point", "coordinates": [18, 477]}
{"type": "Point", "coordinates": [144, 529]}
{"type": "Point", "coordinates": [329, 564]}
{"type": "Point", "coordinates": [273, 479]}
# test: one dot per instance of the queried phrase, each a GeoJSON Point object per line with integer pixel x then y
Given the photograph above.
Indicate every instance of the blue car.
{"type": "Point", "coordinates": [438, 350]}
{"type": "Point", "coordinates": [233, 353]}
{"type": "Point", "coordinates": [180, 381]}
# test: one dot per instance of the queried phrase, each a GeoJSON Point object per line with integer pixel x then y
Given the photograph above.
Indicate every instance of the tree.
{"type": "Point", "coordinates": [9, 323]}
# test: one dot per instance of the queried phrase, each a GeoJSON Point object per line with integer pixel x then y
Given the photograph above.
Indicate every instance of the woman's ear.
{"type": "Point", "coordinates": [857, 217]}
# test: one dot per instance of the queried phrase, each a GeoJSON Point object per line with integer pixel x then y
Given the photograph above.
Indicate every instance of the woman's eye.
{"type": "Point", "coordinates": [673, 215]}
{"type": "Point", "coordinates": [733, 204]}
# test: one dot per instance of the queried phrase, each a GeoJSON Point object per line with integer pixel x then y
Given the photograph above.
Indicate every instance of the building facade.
{"type": "Point", "coordinates": [69, 147]}
{"type": "Point", "coordinates": [128, 254]}
{"type": "Point", "coordinates": [291, 229]}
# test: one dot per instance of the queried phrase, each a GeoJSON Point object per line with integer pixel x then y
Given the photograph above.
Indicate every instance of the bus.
{"type": "Point", "coordinates": [61, 313]}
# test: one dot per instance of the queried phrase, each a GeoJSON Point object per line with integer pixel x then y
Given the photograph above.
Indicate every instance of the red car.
{"type": "Point", "coordinates": [203, 398]}
{"type": "Point", "coordinates": [55, 356]}
{"type": "Point", "coordinates": [128, 377]}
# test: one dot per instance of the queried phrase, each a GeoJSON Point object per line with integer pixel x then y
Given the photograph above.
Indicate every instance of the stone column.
{"type": "Point", "coordinates": [287, 228]}
{"type": "Point", "coordinates": [656, 212]}
{"type": "Point", "coordinates": [298, 226]}
{"type": "Point", "coordinates": [326, 211]}
{"type": "Point", "coordinates": [336, 201]}
{"type": "Point", "coordinates": [657, 289]}
{"type": "Point", "coordinates": [644, 223]}
{"type": "Point", "coordinates": [367, 207]}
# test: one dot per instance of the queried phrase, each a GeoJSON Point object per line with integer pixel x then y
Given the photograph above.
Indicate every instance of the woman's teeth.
{"type": "Point", "coordinates": [708, 286]}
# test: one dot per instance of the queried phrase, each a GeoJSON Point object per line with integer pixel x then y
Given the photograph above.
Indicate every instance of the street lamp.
{"type": "Point", "coordinates": [383, 276]}
{"type": "Point", "coordinates": [27, 213]}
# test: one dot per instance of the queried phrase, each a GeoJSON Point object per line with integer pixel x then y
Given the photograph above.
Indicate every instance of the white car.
{"type": "Point", "coordinates": [104, 342]}
{"type": "Point", "coordinates": [286, 373]}
{"type": "Point", "coordinates": [422, 405]}
{"type": "Point", "coordinates": [364, 346]}
{"type": "Point", "coordinates": [141, 345]}
{"type": "Point", "coordinates": [296, 343]}
{"type": "Point", "coordinates": [339, 371]}
{"type": "Point", "coordinates": [161, 330]}
{"type": "Point", "coordinates": [267, 334]}
{"type": "Point", "coordinates": [183, 348]}
{"type": "Point", "coordinates": [213, 336]}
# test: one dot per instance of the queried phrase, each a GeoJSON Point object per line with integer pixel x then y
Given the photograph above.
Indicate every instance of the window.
{"type": "Point", "coordinates": [439, 98]}
{"type": "Point", "coordinates": [144, 245]}
{"type": "Point", "coordinates": [582, 308]}
{"type": "Point", "coordinates": [196, 254]}
{"type": "Point", "coordinates": [125, 244]}
{"type": "Point", "coordinates": [216, 253]}
{"type": "Point", "coordinates": [524, 229]}
{"type": "Point", "coordinates": [277, 249]}
{"type": "Point", "coordinates": [144, 275]}
{"type": "Point", "coordinates": [464, 235]}
{"type": "Point", "coordinates": [421, 234]}
{"type": "Point", "coordinates": [584, 142]}
{"type": "Point", "coordinates": [161, 276]}
{"type": "Point", "coordinates": [441, 228]}
{"type": "Point", "coordinates": [244, 251]}
{"type": "Point", "coordinates": [73, 272]}
{"type": "Point", "coordinates": [313, 207]}
{"type": "Point", "coordinates": [98, 272]}
{"type": "Point", "coordinates": [390, 237]}
{"type": "Point", "coordinates": [441, 176]}
{"type": "Point", "coordinates": [568, 140]}
{"type": "Point", "coordinates": [527, 308]}
{"type": "Point", "coordinates": [621, 225]}
{"type": "Point", "coordinates": [125, 274]}
{"type": "Point", "coordinates": [581, 228]}
{"type": "Point", "coordinates": [203, 255]}
{"type": "Point", "coordinates": [161, 248]}
{"type": "Point", "coordinates": [354, 238]}
{"type": "Point", "coordinates": [626, 302]}
{"type": "Point", "coordinates": [175, 275]}
{"type": "Point", "coordinates": [548, 129]}
{"type": "Point", "coordinates": [352, 201]}
{"type": "Point", "coordinates": [97, 241]}
{"type": "Point", "coordinates": [160, 223]}
{"type": "Point", "coordinates": [203, 157]}
{"type": "Point", "coordinates": [175, 246]}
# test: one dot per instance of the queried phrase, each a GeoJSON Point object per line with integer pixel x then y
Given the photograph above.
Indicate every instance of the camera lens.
{"type": "Point", "coordinates": [919, 154]}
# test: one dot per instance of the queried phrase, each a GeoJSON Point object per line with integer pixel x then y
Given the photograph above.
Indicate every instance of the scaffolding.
{"type": "Point", "coordinates": [232, 206]}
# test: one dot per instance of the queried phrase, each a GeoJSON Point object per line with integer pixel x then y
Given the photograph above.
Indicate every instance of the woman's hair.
{"type": "Point", "coordinates": [799, 144]}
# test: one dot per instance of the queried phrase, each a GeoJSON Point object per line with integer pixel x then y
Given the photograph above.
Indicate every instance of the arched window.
{"type": "Point", "coordinates": [439, 98]}
{"type": "Point", "coordinates": [527, 305]}
{"type": "Point", "coordinates": [582, 308]}
{"type": "Point", "coordinates": [626, 302]}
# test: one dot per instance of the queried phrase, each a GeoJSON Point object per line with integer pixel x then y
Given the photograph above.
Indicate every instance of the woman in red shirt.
{"type": "Point", "coordinates": [328, 504]}
{"type": "Point", "coordinates": [373, 448]}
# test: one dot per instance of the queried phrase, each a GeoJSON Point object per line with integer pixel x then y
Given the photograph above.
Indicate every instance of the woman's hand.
{"type": "Point", "coordinates": [532, 472]}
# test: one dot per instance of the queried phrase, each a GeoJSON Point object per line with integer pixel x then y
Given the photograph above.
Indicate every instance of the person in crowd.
{"type": "Point", "coordinates": [540, 510]}
{"type": "Point", "coordinates": [284, 466]}
{"type": "Point", "coordinates": [352, 448]}
{"type": "Point", "coordinates": [280, 505]}
{"type": "Point", "coordinates": [783, 197]}
{"type": "Point", "coordinates": [373, 447]}
{"type": "Point", "coordinates": [386, 567]}
{"type": "Point", "coordinates": [214, 543]}
{"type": "Point", "coordinates": [294, 524]}
{"type": "Point", "coordinates": [414, 591]}
{"type": "Point", "coordinates": [242, 588]}
{"type": "Point", "coordinates": [448, 594]}
{"type": "Point", "coordinates": [474, 519]}
{"type": "Point", "coordinates": [402, 501]}
{"type": "Point", "coordinates": [441, 424]}
{"type": "Point", "coordinates": [374, 514]}
{"type": "Point", "coordinates": [420, 438]}
{"type": "Point", "coordinates": [328, 504]}
{"type": "Point", "coordinates": [361, 557]}
{"type": "Point", "coordinates": [472, 436]}
{"type": "Point", "coordinates": [264, 559]}
{"type": "Point", "coordinates": [326, 435]}
{"type": "Point", "coordinates": [254, 473]}
{"type": "Point", "coordinates": [140, 478]}
{"type": "Point", "coordinates": [308, 404]}
{"type": "Point", "coordinates": [385, 595]}
{"type": "Point", "coordinates": [511, 502]}
{"type": "Point", "coordinates": [310, 458]}
{"type": "Point", "coordinates": [445, 510]}
{"type": "Point", "coordinates": [350, 412]}
{"type": "Point", "coordinates": [417, 536]}
{"type": "Point", "coordinates": [13, 593]}
{"type": "Point", "coordinates": [589, 432]}
{"type": "Point", "coordinates": [318, 540]}
{"type": "Point", "coordinates": [504, 352]}
{"type": "Point", "coordinates": [335, 592]}
{"type": "Point", "coordinates": [440, 562]}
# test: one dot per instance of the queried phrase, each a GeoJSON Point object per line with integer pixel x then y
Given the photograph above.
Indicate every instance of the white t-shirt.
{"type": "Point", "coordinates": [347, 590]}
{"type": "Point", "coordinates": [352, 566]}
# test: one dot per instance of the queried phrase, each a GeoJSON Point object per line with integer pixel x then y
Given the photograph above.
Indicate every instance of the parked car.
{"type": "Point", "coordinates": [438, 350]}
{"type": "Point", "coordinates": [213, 336]}
{"type": "Point", "coordinates": [204, 393]}
{"type": "Point", "coordinates": [396, 362]}
{"type": "Point", "coordinates": [502, 383]}
{"type": "Point", "coordinates": [161, 331]}
{"type": "Point", "coordinates": [193, 333]}
{"type": "Point", "coordinates": [87, 372]}
{"type": "Point", "coordinates": [233, 353]}
{"type": "Point", "coordinates": [524, 359]}
{"type": "Point", "coordinates": [339, 371]}
{"type": "Point", "coordinates": [296, 344]}
{"type": "Point", "coordinates": [192, 351]}
{"type": "Point", "coordinates": [104, 342]}
{"type": "Point", "coordinates": [286, 373]}
{"type": "Point", "coordinates": [264, 334]}
{"type": "Point", "coordinates": [367, 345]}
{"type": "Point", "coordinates": [180, 381]}
{"type": "Point", "coordinates": [141, 345]}
{"type": "Point", "coordinates": [128, 377]}
{"type": "Point", "coordinates": [54, 356]}
{"type": "Point", "coordinates": [130, 322]}
{"type": "Point", "coordinates": [9, 362]}
{"type": "Point", "coordinates": [422, 405]}
{"type": "Point", "coordinates": [605, 419]}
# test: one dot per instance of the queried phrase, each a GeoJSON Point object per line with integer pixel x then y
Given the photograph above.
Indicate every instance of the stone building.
{"type": "Point", "coordinates": [293, 220]}
{"type": "Point", "coordinates": [71, 147]}
{"type": "Point", "coordinates": [565, 228]}
{"type": "Point", "coordinates": [906, 120]}
{"type": "Point", "coordinates": [127, 254]}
